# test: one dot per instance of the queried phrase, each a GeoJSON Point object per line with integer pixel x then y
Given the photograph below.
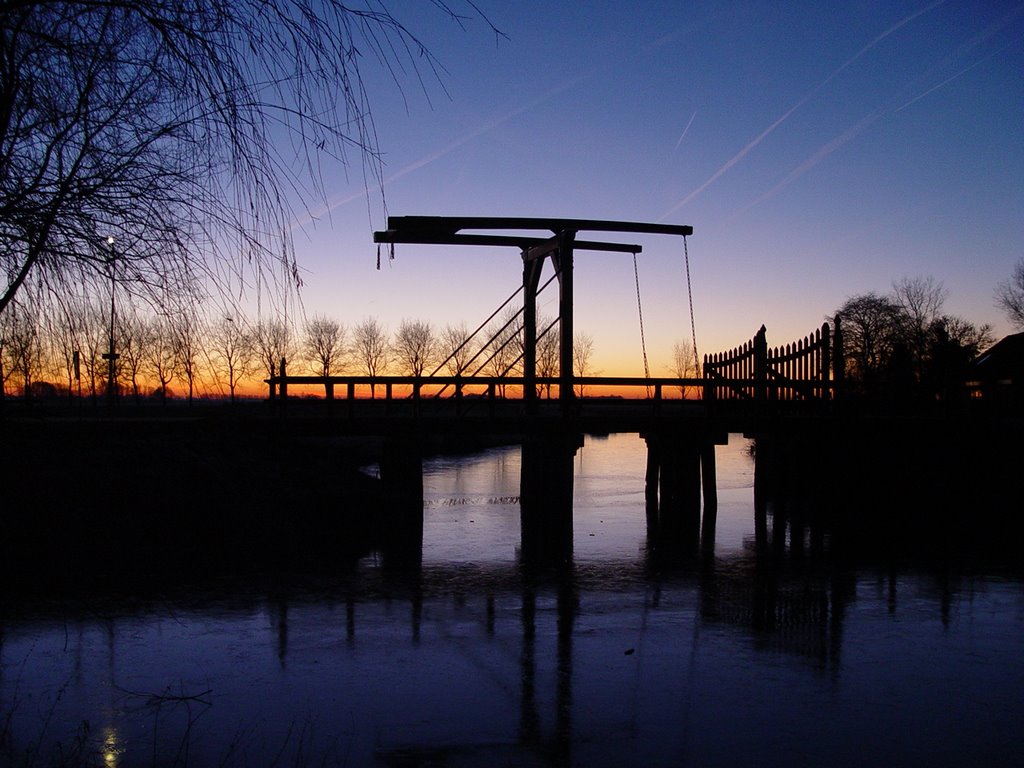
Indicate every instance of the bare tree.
{"type": "Point", "coordinates": [232, 351]}
{"type": "Point", "coordinates": [6, 319]}
{"type": "Point", "coordinates": [872, 328]}
{"type": "Point", "coordinates": [161, 353]}
{"type": "Point", "coordinates": [547, 351]}
{"type": "Point", "coordinates": [325, 346]}
{"type": "Point", "coordinates": [920, 300]}
{"type": "Point", "coordinates": [1010, 296]}
{"type": "Point", "coordinates": [158, 122]}
{"type": "Point", "coordinates": [684, 364]}
{"type": "Point", "coordinates": [972, 338]}
{"type": "Point", "coordinates": [23, 347]}
{"type": "Point", "coordinates": [415, 346]}
{"type": "Point", "coordinates": [371, 349]}
{"type": "Point", "coordinates": [64, 329]}
{"type": "Point", "coordinates": [505, 347]}
{"type": "Point", "coordinates": [132, 349]}
{"type": "Point", "coordinates": [95, 340]}
{"type": "Point", "coordinates": [457, 347]}
{"type": "Point", "coordinates": [188, 346]}
{"type": "Point", "coordinates": [582, 352]}
{"type": "Point", "coordinates": [272, 340]}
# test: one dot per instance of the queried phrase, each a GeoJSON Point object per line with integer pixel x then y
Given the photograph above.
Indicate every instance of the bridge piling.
{"type": "Point", "coordinates": [401, 473]}
{"type": "Point", "coordinates": [545, 495]}
{"type": "Point", "coordinates": [709, 487]}
{"type": "Point", "coordinates": [678, 466]}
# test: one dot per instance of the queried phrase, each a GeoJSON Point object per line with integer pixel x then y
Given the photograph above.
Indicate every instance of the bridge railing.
{"type": "Point", "coordinates": [469, 391]}
{"type": "Point", "coordinates": [809, 369]}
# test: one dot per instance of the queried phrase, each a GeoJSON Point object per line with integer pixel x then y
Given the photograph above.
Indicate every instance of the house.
{"type": "Point", "coordinates": [997, 374]}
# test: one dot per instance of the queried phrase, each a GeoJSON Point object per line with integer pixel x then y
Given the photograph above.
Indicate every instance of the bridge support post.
{"type": "Point", "coordinates": [678, 468]}
{"type": "Point", "coordinates": [709, 487]}
{"type": "Point", "coordinates": [545, 496]}
{"type": "Point", "coordinates": [401, 472]}
{"type": "Point", "coordinates": [679, 493]}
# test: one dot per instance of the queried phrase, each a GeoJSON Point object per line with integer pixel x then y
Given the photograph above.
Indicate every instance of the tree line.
{"type": "Point", "coordinates": [897, 341]}
{"type": "Point", "coordinates": [904, 342]}
{"type": "Point", "coordinates": [46, 350]}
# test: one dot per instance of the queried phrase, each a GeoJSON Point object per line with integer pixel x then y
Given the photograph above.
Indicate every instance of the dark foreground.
{"type": "Point", "coordinates": [876, 623]}
{"type": "Point", "coordinates": [177, 497]}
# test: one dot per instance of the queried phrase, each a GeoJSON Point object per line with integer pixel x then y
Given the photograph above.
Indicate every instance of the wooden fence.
{"type": "Point", "coordinates": [810, 368]}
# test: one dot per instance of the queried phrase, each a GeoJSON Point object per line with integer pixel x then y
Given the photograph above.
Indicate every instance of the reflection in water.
{"type": "Point", "coordinates": [113, 747]}
{"type": "Point", "coordinates": [766, 650]}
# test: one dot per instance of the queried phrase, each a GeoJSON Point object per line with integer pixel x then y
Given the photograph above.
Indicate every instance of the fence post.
{"type": "Point", "coordinates": [826, 361]}
{"type": "Point", "coordinates": [761, 365]}
{"type": "Point", "coordinates": [284, 382]}
{"type": "Point", "coordinates": [272, 384]}
{"type": "Point", "coordinates": [838, 360]}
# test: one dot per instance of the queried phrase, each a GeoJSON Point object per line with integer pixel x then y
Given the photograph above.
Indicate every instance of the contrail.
{"type": "Point", "coordinates": [867, 121]}
{"type": "Point", "coordinates": [963, 71]}
{"type": "Point", "coordinates": [683, 136]}
{"type": "Point", "coordinates": [823, 152]}
{"type": "Point", "coordinates": [341, 200]}
{"type": "Point", "coordinates": [743, 152]}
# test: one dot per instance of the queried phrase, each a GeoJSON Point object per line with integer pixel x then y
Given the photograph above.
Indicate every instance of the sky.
{"type": "Point", "coordinates": [818, 150]}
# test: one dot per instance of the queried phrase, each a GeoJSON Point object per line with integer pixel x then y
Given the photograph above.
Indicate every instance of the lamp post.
{"type": "Point", "coordinates": [111, 356]}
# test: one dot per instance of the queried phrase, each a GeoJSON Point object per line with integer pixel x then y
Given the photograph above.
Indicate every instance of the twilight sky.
{"type": "Point", "coordinates": [819, 150]}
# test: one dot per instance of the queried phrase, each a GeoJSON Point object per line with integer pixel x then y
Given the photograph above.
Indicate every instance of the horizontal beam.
{"type": "Point", "coordinates": [524, 243]}
{"type": "Point", "coordinates": [440, 226]}
{"type": "Point", "coordinates": [511, 381]}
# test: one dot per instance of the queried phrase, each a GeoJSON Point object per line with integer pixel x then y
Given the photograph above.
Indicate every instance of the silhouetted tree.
{"type": "Point", "coordinates": [953, 344]}
{"type": "Point", "coordinates": [188, 336]}
{"type": "Point", "coordinates": [920, 300]}
{"type": "Point", "coordinates": [457, 348]}
{"type": "Point", "coordinates": [1010, 296]}
{"type": "Point", "coordinates": [415, 346]}
{"type": "Point", "coordinates": [23, 347]}
{"type": "Point", "coordinates": [5, 371]}
{"type": "Point", "coordinates": [324, 344]}
{"type": "Point", "coordinates": [902, 344]}
{"type": "Point", "coordinates": [132, 348]}
{"type": "Point", "coordinates": [272, 340]}
{"type": "Point", "coordinates": [95, 342]}
{"type": "Point", "coordinates": [547, 351]}
{"type": "Point", "coordinates": [232, 350]}
{"type": "Point", "coordinates": [684, 364]}
{"type": "Point", "coordinates": [872, 328]}
{"type": "Point", "coordinates": [63, 328]}
{"type": "Point", "coordinates": [582, 352]}
{"type": "Point", "coordinates": [161, 353]}
{"type": "Point", "coordinates": [506, 344]}
{"type": "Point", "coordinates": [156, 122]}
{"type": "Point", "coordinates": [974, 339]}
{"type": "Point", "coordinates": [371, 349]}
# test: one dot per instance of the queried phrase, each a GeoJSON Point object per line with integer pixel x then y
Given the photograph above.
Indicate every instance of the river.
{"type": "Point", "coordinates": [736, 657]}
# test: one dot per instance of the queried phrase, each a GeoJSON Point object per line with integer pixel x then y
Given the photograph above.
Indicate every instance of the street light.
{"type": "Point", "coordinates": [111, 356]}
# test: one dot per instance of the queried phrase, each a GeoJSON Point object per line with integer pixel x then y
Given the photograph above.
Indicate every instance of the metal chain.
{"type": "Point", "coordinates": [640, 311]}
{"type": "Point", "coordinates": [689, 291]}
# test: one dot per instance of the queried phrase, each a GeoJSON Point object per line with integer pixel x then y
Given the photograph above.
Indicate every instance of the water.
{"type": "Point", "coordinates": [468, 662]}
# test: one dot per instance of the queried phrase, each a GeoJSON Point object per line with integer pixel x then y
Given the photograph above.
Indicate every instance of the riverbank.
{"type": "Point", "coordinates": [92, 499]}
